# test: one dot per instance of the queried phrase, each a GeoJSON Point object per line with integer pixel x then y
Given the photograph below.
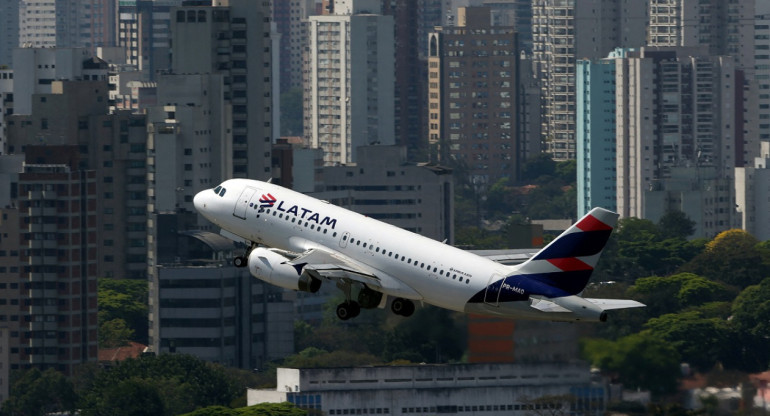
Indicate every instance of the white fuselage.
{"type": "Point", "coordinates": [409, 265]}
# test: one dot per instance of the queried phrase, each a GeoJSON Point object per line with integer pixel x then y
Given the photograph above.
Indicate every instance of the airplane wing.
{"type": "Point", "coordinates": [325, 265]}
{"type": "Point", "coordinates": [328, 265]}
{"type": "Point", "coordinates": [607, 304]}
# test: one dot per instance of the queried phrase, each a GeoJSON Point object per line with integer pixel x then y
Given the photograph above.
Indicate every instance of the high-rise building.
{"type": "Point", "coordinates": [144, 31]}
{"type": "Point", "coordinates": [557, 44]}
{"type": "Point", "coordinates": [517, 14]}
{"type": "Point", "coordinates": [677, 127]}
{"type": "Point", "coordinates": [290, 18]}
{"type": "Point", "coordinates": [9, 31]}
{"type": "Point", "coordinates": [595, 129]}
{"type": "Point", "coordinates": [723, 27]}
{"type": "Point", "coordinates": [234, 41]}
{"type": "Point", "coordinates": [76, 113]}
{"type": "Point", "coordinates": [752, 186]}
{"type": "Point", "coordinates": [49, 272]}
{"type": "Point", "coordinates": [349, 94]}
{"type": "Point", "coordinates": [762, 72]}
{"type": "Point", "coordinates": [67, 23]}
{"type": "Point", "coordinates": [472, 95]}
{"type": "Point", "coordinates": [205, 306]}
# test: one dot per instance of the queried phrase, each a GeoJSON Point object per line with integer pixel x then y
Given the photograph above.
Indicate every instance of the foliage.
{"type": "Point", "coordinates": [124, 299]}
{"type": "Point", "coordinates": [183, 383]}
{"type": "Point", "coordinates": [751, 310]}
{"type": "Point", "coordinates": [133, 397]}
{"type": "Point", "coordinates": [673, 293]}
{"type": "Point", "coordinates": [35, 393]}
{"type": "Point", "coordinates": [314, 357]}
{"type": "Point", "coordinates": [676, 224]}
{"type": "Point", "coordinates": [538, 166]}
{"type": "Point", "coordinates": [640, 360]}
{"type": "Point", "coordinates": [640, 248]}
{"type": "Point", "coordinates": [699, 340]}
{"type": "Point", "coordinates": [263, 409]}
{"type": "Point", "coordinates": [733, 257]}
{"type": "Point", "coordinates": [475, 238]}
{"type": "Point", "coordinates": [114, 333]}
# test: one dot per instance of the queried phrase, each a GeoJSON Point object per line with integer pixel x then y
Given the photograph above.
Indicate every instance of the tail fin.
{"type": "Point", "coordinates": [568, 261]}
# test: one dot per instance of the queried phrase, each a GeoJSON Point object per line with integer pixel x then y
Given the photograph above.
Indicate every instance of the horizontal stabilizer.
{"type": "Point", "coordinates": [607, 304]}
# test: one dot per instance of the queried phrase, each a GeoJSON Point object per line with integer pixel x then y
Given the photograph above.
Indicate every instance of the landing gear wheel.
{"type": "Point", "coordinates": [239, 261]}
{"type": "Point", "coordinates": [403, 307]}
{"type": "Point", "coordinates": [347, 310]}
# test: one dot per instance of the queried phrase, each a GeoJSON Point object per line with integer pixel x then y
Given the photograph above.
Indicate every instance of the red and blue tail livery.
{"type": "Point", "coordinates": [300, 243]}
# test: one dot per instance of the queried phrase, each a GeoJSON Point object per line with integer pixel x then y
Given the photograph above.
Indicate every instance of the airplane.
{"type": "Point", "coordinates": [299, 242]}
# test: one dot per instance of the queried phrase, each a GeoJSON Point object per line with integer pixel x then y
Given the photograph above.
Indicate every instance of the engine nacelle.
{"type": "Point", "coordinates": [275, 269]}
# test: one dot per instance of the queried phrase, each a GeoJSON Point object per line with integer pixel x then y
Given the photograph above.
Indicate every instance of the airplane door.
{"type": "Point", "coordinates": [492, 294]}
{"type": "Point", "coordinates": [243, 202]}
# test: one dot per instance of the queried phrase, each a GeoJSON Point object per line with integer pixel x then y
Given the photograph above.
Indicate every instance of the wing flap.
{"type": "Point", "coordinates": [608, 304]}
{"type": "Point", "coordinates": [547, 306]}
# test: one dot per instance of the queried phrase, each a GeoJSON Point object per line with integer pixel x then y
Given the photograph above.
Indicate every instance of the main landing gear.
{"type": "Point", "coordinates": [243, 261]}
{"type": "Point", "coordinates": [347, 310]}
{"type": "Point", "coordinates": [366, 299]}
{"type": "Point", "coordinates": [403, 307]}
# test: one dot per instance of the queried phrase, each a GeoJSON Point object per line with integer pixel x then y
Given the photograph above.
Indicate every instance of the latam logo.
{"type": "Point", "coordinates": [267, 201]}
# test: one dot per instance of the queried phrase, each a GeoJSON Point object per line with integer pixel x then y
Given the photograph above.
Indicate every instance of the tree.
{"type": "Point", "coordinates": [114, 333]}
{"type": "Point", "coordinates": [732, 257]}
{"type": "Point", "coordinates": [315, 358]}
{"type": "Point", "coordinates": [133, 397]}
{"type": "Point", "coordinates": [186, 382]}
{"type": "Point", "coordinates": [540, 165]}
{"type": "Point", "coordinates": [671, 294]}
{"type": "Point", "coordinates": [33, 393]}
{"type": "Point", "coordinates": [751, 310]}
{"type": "Point", "coordinates": [702, 342]}
{"type": "Point", "coordinates": [124, 299]}
{"type": "Point", "coordinates": [676, 224]}
{"type": "Point", "coordinates": [262, 409]}
{"type": "Point", "coordinates": [640, 360]}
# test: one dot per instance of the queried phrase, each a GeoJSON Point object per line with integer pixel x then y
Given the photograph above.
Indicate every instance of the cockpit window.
{"type": "Point", "coordinates": [217, 189]}
{"type": "Point", "coordinates": [222, 192]}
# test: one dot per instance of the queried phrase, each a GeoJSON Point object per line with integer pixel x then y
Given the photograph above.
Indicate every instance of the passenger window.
{"type": "Point", "coordinates": [333, 235]}
{"type": "Point", "coordinates": [344, 238]}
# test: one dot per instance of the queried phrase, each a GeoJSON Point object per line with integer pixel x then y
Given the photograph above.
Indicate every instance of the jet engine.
{"type": "Point", "coordinates": [273, 268]}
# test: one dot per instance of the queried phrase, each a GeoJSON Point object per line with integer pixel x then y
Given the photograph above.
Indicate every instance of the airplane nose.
{"type": "Point", "coordinates": [199, 202]}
